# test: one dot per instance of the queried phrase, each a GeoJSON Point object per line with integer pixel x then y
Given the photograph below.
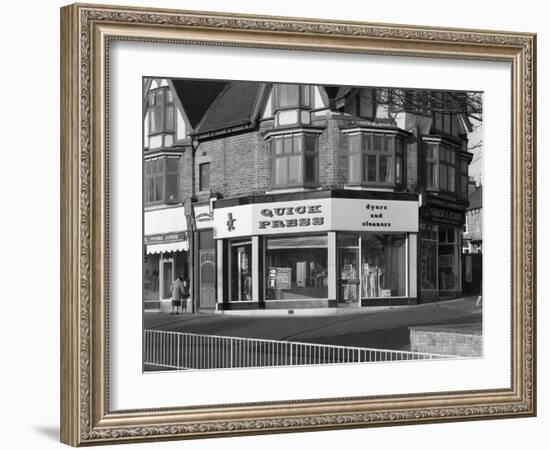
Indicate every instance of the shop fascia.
{"type": "Point", "coordinates": [316, 215]}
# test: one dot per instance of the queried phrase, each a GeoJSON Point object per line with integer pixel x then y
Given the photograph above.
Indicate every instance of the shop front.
{"type": "Point", "coordinates": [165, 255]}
{"type": "Point", "coordinates": [440, 253]}
{"type": "Point", "coordinates": [330, 251]}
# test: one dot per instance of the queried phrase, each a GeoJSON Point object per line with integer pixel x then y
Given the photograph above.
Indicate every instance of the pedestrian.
{"type": "Point", "coordinates": [185, 296]}
{"type": "Point", "coordinates": [176, 291]}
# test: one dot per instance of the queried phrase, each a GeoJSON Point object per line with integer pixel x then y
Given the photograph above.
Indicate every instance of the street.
{"type": "Point", "coordinates": [387, 329]}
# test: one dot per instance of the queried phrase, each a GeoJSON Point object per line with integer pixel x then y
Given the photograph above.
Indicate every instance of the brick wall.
{"type": "Point", "coordinates": [453, 340]}
{"type": "Point", "coordinates": [240, 165]}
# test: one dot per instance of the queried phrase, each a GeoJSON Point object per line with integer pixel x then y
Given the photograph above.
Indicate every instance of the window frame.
{"type": "Point", "coordinates": [203, 165]}
{"type": "Point", "coordinates": [301, 103]}
{"type": "Point", "coordinates": [365, 150]}
{"type": "Point", "coordinates": [158, 98]}
{"type": "Point", "coordinates": [163, 174]}
{"type": "Point", "coordinates": [304, 154]}
{"type": "Point", "coordinates": [450, 164]}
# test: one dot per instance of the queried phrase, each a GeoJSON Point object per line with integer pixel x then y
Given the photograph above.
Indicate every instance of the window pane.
{"type": "Point", "coordinates": [287, 144]}
{"type": "Point", "coordinates": [388, 144]}
{"type": "Point", "coordinates": [367, 142]}
{"type": "Point", "coordinates": [288, 95]}
{"type": "Point", "coordinates": [443, 176]}
{"type": "Point", "coordinates": [158, 188]}
{"type": "Point", "coordinates": [311, 167]}
{"type": "Point", "coordinates": [370, 169]}
{"type": "Point", "coordinates": [452, 156]}
{"type": "Point", "coordinates": [171, 187]}
{"type": "Point", "coordinates": [430, 175]}
{"type": "Point", "coordinates": [297, 269]}
{"type": "Point", "coordinates": [385, 169]}
{"type": "Point", "coordinates": [398, 169]}
{"type": "Point", "coordinates": [442, 154]}
{"type": "Point", "coordinates": [204, 176]}
{"type": "Point", "coordinates": [297, 143]}
{"type": "Point", "coordinates": [354, 168]}
{"type": "Point", "coordinates": [277, 144]}
{"type": "Point", "coordinates": [149, 190]}
{"type": "Point", "coordinates": [305, 95]}
{"type": "Point", "coordinates": [169, 96]}
{"type": "Point", "coordinates": [295, 169]}
{"type": "Point", "coordinates": [378, 142]}
{"type": "Point", "coordinates": [355, 143]}
{"type": "Point", "coordinates": [169, 117]}
{"type": "Point", "coordinates": [311, 143]}
{"type": "Point", "coordinates": [172, 164]}
{"type": "Point", "coordinates": [147, 167]}
{"type": "Point", "coordinates": [451, 179]}
{"type": "Point", "coordinates": [281, 176]}
{"type": "Point", "coordinates": [431, 150]}
{"type": "Point", "coordinates": [383, 271]}
{"type": "Point", "coordinates": [399, 146]}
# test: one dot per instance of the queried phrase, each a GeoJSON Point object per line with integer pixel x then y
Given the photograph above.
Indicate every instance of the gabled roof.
{"type": "Point", "coordinates": [196, 96]}
{"type": "Point", "coordinates": [476, 199]}
{"type": "Point", "coordinates": [235, 105]}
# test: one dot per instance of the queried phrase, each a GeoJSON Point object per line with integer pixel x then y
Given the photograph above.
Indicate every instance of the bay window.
{"type": "Point", "coordinates": [376, 159]}
{"type": "Point", "coordinates": [161, 180]}
{"type": "Point", "coordinates": [294, 160]}
{"type": "Point", "coordinates": [441, 167]}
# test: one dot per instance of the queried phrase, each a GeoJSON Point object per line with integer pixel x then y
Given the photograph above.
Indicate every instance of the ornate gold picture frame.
{"type": "Point", "coordinates": [87, 32]}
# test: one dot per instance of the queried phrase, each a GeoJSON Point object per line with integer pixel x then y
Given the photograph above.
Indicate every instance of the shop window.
{"type": "Point", "coordinates": [296, 268]}
{"type": "Point", "coordinates": [294, 160]}
{"type": "Point", "coordinates": [162, 113]}
{"type": "Point", "coordinates": [161, 180]}
{"type": "Point", "coordinates": [448, 258]}
{"type": "Point", "coordinates": [376, 159]}
{"type": "Point", "coordinates": [428, 257]}
{"type": "Point", "coordinates": [441, 167]}
{"type": "Point", "coordinates": [383, 264]}
{"type": "Point", "coordinates": [204, 176]}
{"type": "Point", "coordinates": [289, 96]}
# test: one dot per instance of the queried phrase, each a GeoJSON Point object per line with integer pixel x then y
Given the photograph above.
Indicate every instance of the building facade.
{"type": "Point", "coordinates": [280, 197]}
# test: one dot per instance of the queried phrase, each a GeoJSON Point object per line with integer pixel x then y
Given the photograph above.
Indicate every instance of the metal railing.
{"type": "Point", "coordinates": [175, 350]}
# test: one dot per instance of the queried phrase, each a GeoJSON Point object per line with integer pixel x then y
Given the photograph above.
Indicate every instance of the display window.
{"type": "Point", "coordinates": [383, 265]}
{"type": "Point", "coordinates": [448, 258]}
{"type": "Point", "coordinates": [428, 257]}
{"type": "Point", "coordinates": [296, 267]}
{"type": "Point", "coordinates": [371, 266]}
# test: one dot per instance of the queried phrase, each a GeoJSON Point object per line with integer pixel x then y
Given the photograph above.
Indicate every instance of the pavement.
{"type": "Point", "coordinates": [381, 328]}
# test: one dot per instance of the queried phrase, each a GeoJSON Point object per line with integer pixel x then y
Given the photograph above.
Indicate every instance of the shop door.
{"type": "Point", "coordinates": [207, 270]}
{"type": "Point", "coordinates": [348, 276]}
{"type": "Point", "coordinates": [167, 270]}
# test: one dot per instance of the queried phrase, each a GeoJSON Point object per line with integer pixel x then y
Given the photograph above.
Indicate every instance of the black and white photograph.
{"type": "Point", "coordinates": [296, 224]}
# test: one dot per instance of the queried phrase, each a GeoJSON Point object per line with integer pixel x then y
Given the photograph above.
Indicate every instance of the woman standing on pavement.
{"type": "Point", "coordinates": [177, 294]}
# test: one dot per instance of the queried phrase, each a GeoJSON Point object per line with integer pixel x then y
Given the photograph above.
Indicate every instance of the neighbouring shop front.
{"type": "Point", "coordinates": [440, 262]}
{"type": "Point", "coordinates": [165, 255]}
{"type": "Point", "coordinates": [317, 250]}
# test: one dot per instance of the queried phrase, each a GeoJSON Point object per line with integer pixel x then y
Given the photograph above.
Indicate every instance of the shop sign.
{"type": "Point", "coordinates": [375, 215]}
{"type": "Point", "coordinates": [279, 278]}
{"type": "Point", "coordinates": [163, 238]}
{"type": "Point", "coordinates": [444, 216]}
{"type": "Point", "coordinates": [316, 215]}
{"type": "Point", "coordinates": [203, 216]}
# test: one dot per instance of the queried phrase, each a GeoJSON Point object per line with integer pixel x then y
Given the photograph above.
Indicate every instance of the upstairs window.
{"type": "Point", "coordinates": [161, 180]}
{"type": "Point", "coordinates": [289, 96]}
{"type": "Point", "coordinates": [204, 176]}
{"type": "Point", "coordinates": [376, 159]}
{"type": "Point", "coordinates": [294, 160]}
{"type": "Point", "coordinates": [162, 113]}
{"type": "Point", "coordinates": [441, 167]}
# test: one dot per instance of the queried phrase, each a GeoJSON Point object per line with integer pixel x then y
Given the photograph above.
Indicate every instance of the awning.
{"type": "Point", "coordinates": [179, 246]}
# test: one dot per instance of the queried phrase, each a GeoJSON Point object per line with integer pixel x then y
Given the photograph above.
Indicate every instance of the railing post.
{"type": "Point", "coordinates": [231, 354]}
